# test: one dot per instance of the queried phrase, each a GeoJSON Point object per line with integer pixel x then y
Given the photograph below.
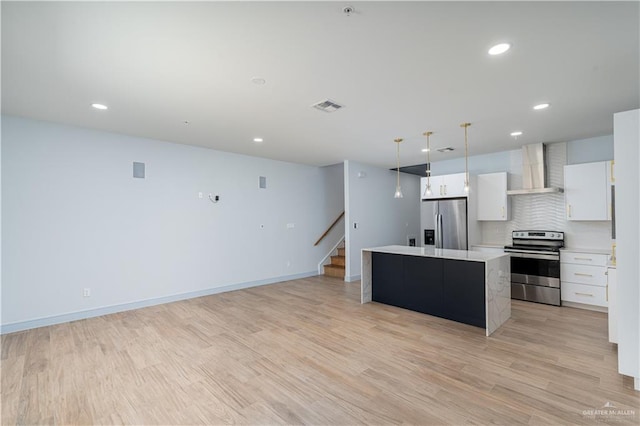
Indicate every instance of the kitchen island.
{"type": "Point", "coordinates": [465, 286]}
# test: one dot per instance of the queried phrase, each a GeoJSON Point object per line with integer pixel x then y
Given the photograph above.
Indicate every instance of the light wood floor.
{"type": "Point", "coordinates": [307, 352]}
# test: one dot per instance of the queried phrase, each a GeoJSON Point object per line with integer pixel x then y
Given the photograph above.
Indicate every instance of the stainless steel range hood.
{"type": "Point", "coordinates": [534, 172]}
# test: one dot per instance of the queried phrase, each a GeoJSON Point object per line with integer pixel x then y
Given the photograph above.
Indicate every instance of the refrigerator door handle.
{"type": "Point", "coordinates": [439, 230]}
{"type": "Point", "coordinates": [435, 221]}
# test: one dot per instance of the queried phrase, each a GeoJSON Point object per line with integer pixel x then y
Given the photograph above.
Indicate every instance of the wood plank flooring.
{"type": "Point", "coordinates": [307, 352]}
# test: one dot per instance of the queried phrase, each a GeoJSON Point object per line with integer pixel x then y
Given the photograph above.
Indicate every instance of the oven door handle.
{"type": "Point", "coordinates": [533, 255]}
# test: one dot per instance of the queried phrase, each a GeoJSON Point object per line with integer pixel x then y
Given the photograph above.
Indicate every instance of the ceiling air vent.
{"type": "Point", "coordinates": [447, 149]}
{"type": "Point", "coordinates": [327, 106]}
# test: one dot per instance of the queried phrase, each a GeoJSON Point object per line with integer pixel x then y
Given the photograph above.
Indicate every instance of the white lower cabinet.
{"type": "Point", "coordinates": [583, 278]}
{"type": "Point", "coordinates": [612, 277]}
{"type": "Point", "coordinates": [584, 293]}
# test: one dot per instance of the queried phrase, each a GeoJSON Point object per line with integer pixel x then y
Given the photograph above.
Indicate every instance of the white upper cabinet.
{"type": "Point", "coordinates": [493, 203]}
{"type": "Point", "coordinates": [587, 191]}
{"type": "Point", "coordinates": [444, 186]}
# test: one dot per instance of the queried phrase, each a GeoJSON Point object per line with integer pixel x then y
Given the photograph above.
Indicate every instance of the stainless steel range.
{"type": "Point", "coordinates": [535, 266]}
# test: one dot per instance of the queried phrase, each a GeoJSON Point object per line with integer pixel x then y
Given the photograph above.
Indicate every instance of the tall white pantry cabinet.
{"type": "Point", "coordinates": [626, 137]}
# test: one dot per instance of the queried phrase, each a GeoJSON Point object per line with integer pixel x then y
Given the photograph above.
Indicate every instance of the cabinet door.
{"type": "Point", "coordinates": [437, 187]}
{"type": "Point", "coordinates": [586, 191]}
{"type": "Point", "coordinates": [611, 182]}
{"type": "Point", "coordinates": [386, 278]}
{"type": "Point", "coordinates": [423, 284]}
{"type": "Point", "coordinates": [444, 186]}
{"type": "Point", "coordinates": [613, 308]}
{"type": "Point", "coordinates": [453, 185]}
{"type": "Point", "coordinates": [492, 196]}
{"type": "Point", "coordinates": [464, 293]}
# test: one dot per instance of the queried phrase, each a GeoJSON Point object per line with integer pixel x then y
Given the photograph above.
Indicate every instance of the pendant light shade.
{"type": "Point", "coordinates": [398, 193]}
{"type": "Point", "coordinates": [466, 157]}
{"type": "Point", "coordinates": [427, 190]}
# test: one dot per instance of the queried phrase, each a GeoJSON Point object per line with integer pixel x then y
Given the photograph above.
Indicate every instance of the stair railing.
{"type": "Point", "coordinates": [335, 222]}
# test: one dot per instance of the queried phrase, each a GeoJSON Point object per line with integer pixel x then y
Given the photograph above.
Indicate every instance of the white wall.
{"type": "Point", "coordinates": [590, 150]}
{"type": "Point", "coordinates": [73, 217]}
{"type": "Point", "coordinates": [333, 182]}
{"type": "Point", "coordinates": [627, 158]}
{"type": "Point", "coordinates": [381, 219]}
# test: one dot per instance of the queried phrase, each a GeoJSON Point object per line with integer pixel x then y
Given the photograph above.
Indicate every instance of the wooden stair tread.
{"type": "Point", "coordinates": [334, 270]}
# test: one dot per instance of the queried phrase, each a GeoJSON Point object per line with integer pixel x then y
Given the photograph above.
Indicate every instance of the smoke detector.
{"type": "Point", "coordinates": [327, 106]}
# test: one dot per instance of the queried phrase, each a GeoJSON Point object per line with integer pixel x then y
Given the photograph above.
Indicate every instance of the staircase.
{"type": "Point", "coordinates": [336, 268]}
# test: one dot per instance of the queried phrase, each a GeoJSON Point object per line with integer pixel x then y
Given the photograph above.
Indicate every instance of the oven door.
{"type": "Point", "coordinates": [535, 269]}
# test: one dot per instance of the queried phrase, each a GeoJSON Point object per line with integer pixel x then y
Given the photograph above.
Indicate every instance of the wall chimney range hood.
{"type": "Point", "coordinates": [534, 172]}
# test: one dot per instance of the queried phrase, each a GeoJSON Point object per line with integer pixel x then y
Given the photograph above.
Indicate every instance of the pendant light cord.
{"type": "Point", "coordinates": [428, 169]}
{"type": "Point", "coordinates": [398, 193]}
{"type": "Point", "coordinates": [466, 156]}
{"type": "Point", "coordinates": [398, 162]}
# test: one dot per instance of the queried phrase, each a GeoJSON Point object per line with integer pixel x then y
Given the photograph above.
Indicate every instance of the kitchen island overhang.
{"type": "Point", "coordinates": [465, 286]}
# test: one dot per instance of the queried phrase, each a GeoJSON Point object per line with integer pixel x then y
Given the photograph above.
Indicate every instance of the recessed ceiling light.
{"type": "Point", "coordinates": [258, 80]}
{"type": "Point", "coordinates": [516, 133]}
{"type": "Point", "coordinates": [541, 106]}
{"type": "Point", "coordinates": [257, 139]}
{"type": "Point", "coordinates": [99, 106]}
{"type": "Point", "coordinates": [425, 150]}
{"type": "Point", "coordinates": [499, 49]}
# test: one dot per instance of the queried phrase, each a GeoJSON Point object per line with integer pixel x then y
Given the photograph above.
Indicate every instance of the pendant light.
{"type": "Point", "coordinates": [427, 190]}
{"type": "Point", "coordinates": [398, 193]}
{"type": "Point", "coordinates": [466, 157]}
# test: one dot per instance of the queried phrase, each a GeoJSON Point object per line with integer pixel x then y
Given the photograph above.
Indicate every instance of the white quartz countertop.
{"type": "Point", "coordinates": [475, 256]}
{"type": "Point", "coordinates": [500, 246]}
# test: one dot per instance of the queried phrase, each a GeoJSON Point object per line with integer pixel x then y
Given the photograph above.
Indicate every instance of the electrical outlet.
{"type": "Point", "coordinates": [200, 195]}
{"type": "Point", "coordinates": [262, 226]}
{"type": "Point", "coordinates": [86, 292]}
{"type": "Point", "coordinates": [291, 225]}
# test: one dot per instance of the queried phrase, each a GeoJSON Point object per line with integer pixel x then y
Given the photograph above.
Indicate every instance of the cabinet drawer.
{"type": "Point", "coordinates": [583, 274]}
{"type": "Point", "coordinates": [582, 293]}
{"type": "Point", "coordinates": [584, 258]}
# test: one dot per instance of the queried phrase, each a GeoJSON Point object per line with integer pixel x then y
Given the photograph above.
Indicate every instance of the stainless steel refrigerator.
{"type": "Point", "coordinates": [444, 223]}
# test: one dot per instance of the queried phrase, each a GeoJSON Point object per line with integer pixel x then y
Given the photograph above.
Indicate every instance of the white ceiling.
{"type": "Point", "coordinates": [399, 68]}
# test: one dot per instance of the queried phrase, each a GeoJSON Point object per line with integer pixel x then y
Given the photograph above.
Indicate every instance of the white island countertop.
{"type": "Point", "coordinates": [476, 256]}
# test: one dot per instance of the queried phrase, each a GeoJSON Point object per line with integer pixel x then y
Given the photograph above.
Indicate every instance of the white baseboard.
{"type": "Point", "coordinates": [584, 306]}
{"type": "Point", "coordinates": [352, 278]}
{"type": "Point", "coordinates": [96, 312]}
